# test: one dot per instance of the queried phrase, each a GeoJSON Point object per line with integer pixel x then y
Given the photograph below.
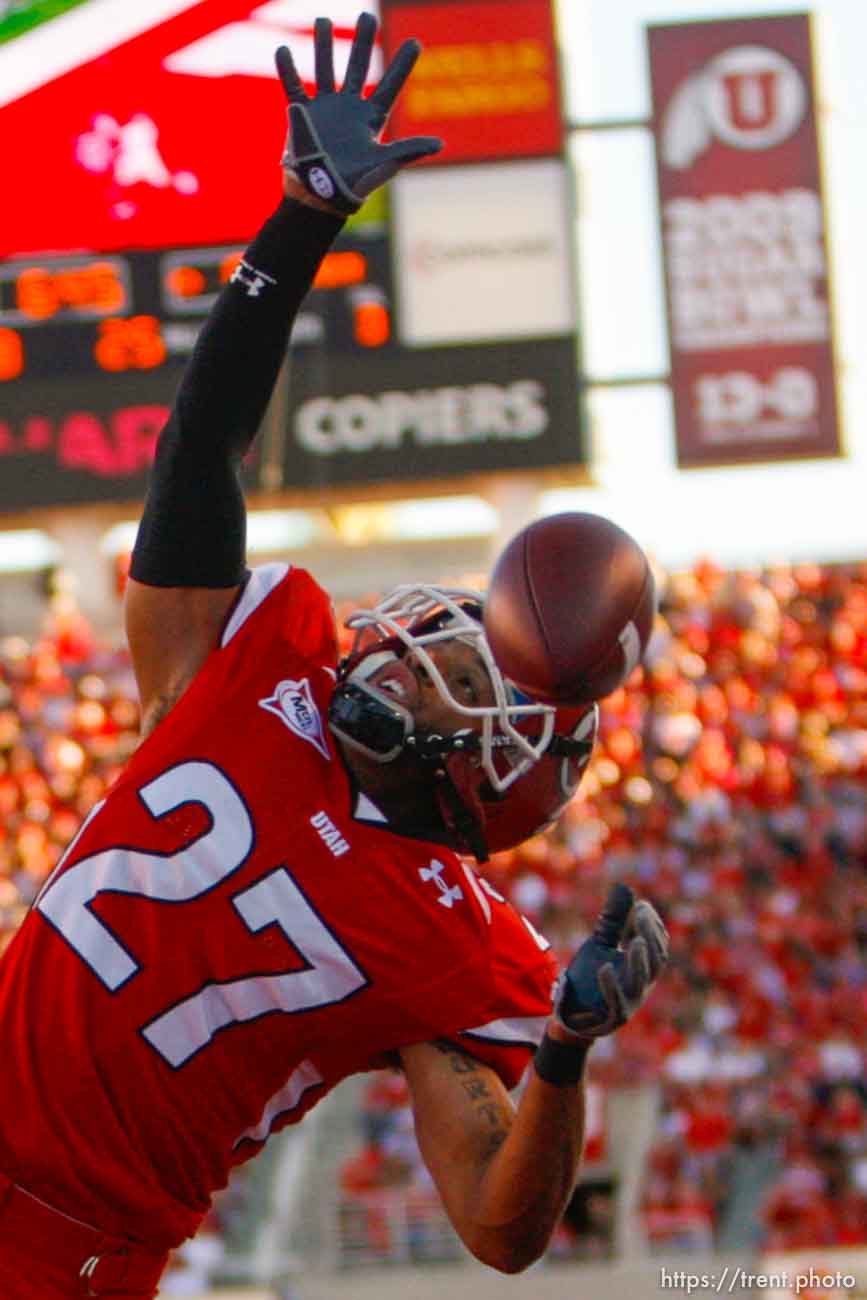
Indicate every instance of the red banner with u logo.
{"type": "Point", "coordinates": [744, 241]}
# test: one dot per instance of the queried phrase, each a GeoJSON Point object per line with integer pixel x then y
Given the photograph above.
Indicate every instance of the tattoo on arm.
{"type": "Point", "coordinates": [476, 1088]}
{"type": "Point", "coordinates": [460, 1062]}
{"type": "Point", "coordinates": [495, 1140]}
{"type": "Point", "coordinates": [496, 1116]}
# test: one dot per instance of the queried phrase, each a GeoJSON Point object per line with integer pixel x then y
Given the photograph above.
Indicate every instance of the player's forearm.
{"type": "Point", "coordinates": [505, 1176]}
{"type": "Point", "coordinates": [231, 374]}
{"type": "Point", "coordinates": [528, 1183]}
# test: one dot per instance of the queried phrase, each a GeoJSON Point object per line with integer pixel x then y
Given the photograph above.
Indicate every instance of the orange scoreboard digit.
{"type": "Point", "coordinates": [11, 353]}
{"type": "Point", "coordinates": [71, 288]}
{"type": "Point", "coordinates": [78, 316]}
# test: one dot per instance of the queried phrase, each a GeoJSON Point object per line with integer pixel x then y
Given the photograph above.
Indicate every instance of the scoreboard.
{"type": "Point", "coordinates": [107, 314]}
{"type": "Point", "coordinates": [92, 348]}
{"type": "Point", "coordinates": [439, 337]}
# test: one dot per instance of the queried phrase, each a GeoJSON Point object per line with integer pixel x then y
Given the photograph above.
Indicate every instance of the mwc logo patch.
{"type": "Point", "coordinates": [159, 138]}
{"type": "Point", "coordinates": [293, 703]}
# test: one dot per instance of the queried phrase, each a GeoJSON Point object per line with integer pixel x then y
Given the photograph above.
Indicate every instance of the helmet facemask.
{"type": "Point", "coordinates": [408, 624]}
{"type": "Point", "coordinates": [483, 801]}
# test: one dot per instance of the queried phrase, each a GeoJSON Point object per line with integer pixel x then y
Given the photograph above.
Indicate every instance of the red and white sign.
{"type": "Point", "coordinates": [752, 365]}
{"type": "Point", "coordinates": [171, 135]}
{"type": "Point", "coordinates": [487, 81]}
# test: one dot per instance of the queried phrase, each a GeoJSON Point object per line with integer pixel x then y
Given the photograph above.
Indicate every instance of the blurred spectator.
{"type": "Point", "coordinates": [676, 1215]}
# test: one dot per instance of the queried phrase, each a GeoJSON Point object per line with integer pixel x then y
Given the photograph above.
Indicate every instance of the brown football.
{"type": "Point", "coordinates": [570, 608]}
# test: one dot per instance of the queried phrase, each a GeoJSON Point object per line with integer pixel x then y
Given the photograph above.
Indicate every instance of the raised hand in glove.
{"type": "Point", "coordinates": [333, 142]}
{"type": "Point", "coordinates": [605, 981]}
{"type": "Point", "coordinates": [610, 973]}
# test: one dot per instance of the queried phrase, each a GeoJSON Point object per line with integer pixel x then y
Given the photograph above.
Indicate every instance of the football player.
{"type": "Point", "coordinates": [275, 894]}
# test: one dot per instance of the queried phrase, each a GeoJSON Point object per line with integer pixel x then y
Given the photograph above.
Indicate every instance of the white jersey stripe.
{"type": "Point", "coordinates": [286, 1098]}
{"type": "Point", "coordinates": [261, 583]}
{"type": "Point", "coordinates": [474, 885]}
{"type": "Point", "coordinates": [517, 1029]}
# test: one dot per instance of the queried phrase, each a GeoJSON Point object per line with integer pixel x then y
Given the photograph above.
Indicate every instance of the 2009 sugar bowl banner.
{"type": "Point", "coordinates": [744, 240]}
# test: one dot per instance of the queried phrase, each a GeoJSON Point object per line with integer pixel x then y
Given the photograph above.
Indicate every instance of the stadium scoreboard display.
{"type": "Point", "coordinates": [92, 348]}
{"type": "Point", "coordinates": [108, 314]}
{"type": "Point", "coordinates": [439, 338]}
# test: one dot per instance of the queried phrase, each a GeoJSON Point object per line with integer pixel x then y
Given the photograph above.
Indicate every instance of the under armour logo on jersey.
{"type": "Point", "coordinates": [449, 894]}
{"type": "Point", "coordinates": [253, 280]}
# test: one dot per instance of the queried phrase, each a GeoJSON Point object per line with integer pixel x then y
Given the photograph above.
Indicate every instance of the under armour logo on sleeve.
{"type": "Point", "coordinates": [449, 894]}
{"type": "Point", "coordinates": [253, 280]}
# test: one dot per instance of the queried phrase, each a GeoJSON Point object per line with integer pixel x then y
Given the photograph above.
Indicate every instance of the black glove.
{"type": "Point", "coordinates": [333, 145]}
{"type": "Point", "coordinates": [604, 984]}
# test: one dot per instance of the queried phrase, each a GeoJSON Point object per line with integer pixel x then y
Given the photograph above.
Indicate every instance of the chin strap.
{"type": "Point", "coordinates": [458, 786]}
{"type": "Point", "coordinates": [430, 746]}
{"type": "Point", "coordinates": [460, 806]}
{"type": "Point", "coordinates": [462, 789]}
{"type": "Point", "coordinates": [569, 747]}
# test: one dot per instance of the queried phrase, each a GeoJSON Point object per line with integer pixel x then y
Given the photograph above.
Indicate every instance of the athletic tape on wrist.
{"type": "Point", "coordinates": [561, 1063]}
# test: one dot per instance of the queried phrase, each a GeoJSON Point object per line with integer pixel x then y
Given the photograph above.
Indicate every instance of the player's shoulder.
{"type": "Point", "coordinates": [392, 851]}
{"type": "Point", "coordinates": [512, 933]}
{"type": "Point", "coordinates": [457, 912]}
{"type": "Point", "coordinates": [510, 941]}
{"type": "Point", "coordinates": [283, 602]}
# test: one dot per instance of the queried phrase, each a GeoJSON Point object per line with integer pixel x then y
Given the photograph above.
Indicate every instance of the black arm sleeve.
{"type": "Point", "coordinates": [192, 531]}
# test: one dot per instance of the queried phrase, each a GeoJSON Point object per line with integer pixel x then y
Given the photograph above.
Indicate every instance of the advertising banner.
{"type": "Point", "coordinates": [74, 442]}
{"type": "Point", "coordinates": [487, 81]}
{"type": "Point", "coordinates": [155, 125]}
{"type": "Point", "coordinates": [432, 413]}
{"type": "Point", "coordinates": [480, 252]}
{"type": "Point", "coordinates": [744, 242]}
{"type": "Point", "coordinates": [164, 120]}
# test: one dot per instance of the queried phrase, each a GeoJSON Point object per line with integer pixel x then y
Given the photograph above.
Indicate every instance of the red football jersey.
{"type": "Point", "coordinates": [235, 929]}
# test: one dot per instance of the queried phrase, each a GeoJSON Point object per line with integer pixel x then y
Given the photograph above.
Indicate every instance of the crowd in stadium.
{"type": "Point", "coordinates": [728, 785]}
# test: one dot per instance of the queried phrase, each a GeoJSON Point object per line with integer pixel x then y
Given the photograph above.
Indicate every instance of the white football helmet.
{"type": "Point", "coordinates": [502, 742]}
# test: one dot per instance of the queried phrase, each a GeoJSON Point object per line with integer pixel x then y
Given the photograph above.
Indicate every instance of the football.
{"type": "Point", "coordinates": [570, 608]}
